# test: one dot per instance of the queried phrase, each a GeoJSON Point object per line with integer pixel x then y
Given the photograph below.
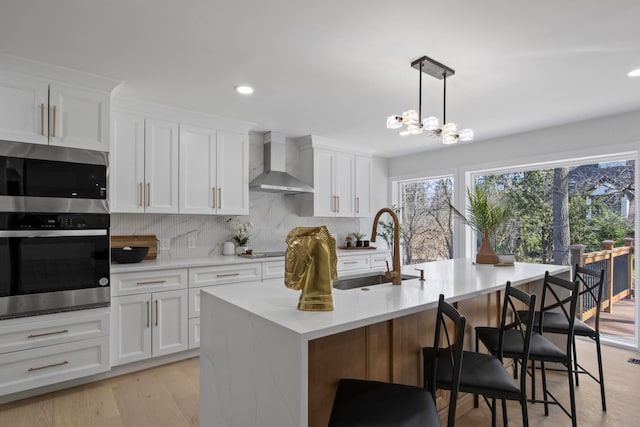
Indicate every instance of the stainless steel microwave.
{"type": "Point", "coordinates": [42, 178]}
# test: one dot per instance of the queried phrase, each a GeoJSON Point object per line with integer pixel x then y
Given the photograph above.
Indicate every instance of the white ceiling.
{"type": "Point", "coordinates": [338, 68]}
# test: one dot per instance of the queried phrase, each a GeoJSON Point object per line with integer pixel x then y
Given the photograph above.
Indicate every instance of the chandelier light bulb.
{"type": "Point", "coordinates": [410, 117]}
{"type": "Point", "coordinates": [466, 135]}
{"type": "Point", "coordinates": [415, 129]}
{"type": "Point", "coordinates": [449, 138]}
{"type": "Point", "coordinates": [430, 123]}
{"type": "Point", "coordinates": [394, 122]}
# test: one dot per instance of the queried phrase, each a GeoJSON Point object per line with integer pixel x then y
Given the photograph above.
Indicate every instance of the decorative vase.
{"type": "Point", "coordinates": [228, 248]}
{"type": "Point", "coordinates": [241, 249]}
{"type": "Point", "coordinates": [486, 254]}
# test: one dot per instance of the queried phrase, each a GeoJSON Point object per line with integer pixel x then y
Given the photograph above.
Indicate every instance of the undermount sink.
{"type": "Point", "coordinates": [360, 281]}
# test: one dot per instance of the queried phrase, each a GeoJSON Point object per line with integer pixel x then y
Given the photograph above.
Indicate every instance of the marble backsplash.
{"type": "Point", "coordinates": [273, 216]}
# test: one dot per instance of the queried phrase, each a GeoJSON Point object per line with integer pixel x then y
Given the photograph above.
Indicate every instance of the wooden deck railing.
{"type": "Point", "coordinates": [619, 273]}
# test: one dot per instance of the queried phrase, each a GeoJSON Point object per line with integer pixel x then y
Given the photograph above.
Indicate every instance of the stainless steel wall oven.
{"type": "Point", "coordinates": [54, 229]}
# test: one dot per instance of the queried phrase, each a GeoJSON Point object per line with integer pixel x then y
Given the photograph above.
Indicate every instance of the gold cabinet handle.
{"type": "Point", "coordinates": [64, 331]}
{"type": "Point", "coordinates": [42, 119]}
{"type": "Point", "coordinates": [156, 312]}
{"type": "Point", "coordinates": [227, 275]}
{"type": "Point", "coordinates": [66, 362]}
{"type": "Point", "coordinates": [333, 203]}
{"type": "Point", "coordinates": [53, 134]}
{"type": "Point", "coordinates": [213, 191]}
{"type": "Point", "coordinates": [350, 262]}
{"type": "Point", "coordinates": [151, 282]}
{"type": "Point", "coordinates": [338, 199]}
{"type": "Point", "coordinates": [219, 197]}
{"type": "Point", "coordinates": [148, 316]}
{"type": "Point", "coordinates": [140, 194]}
{"type": "Point", "coordinates": [148, 194]}
{"type": "Point", "coordinates": [357, 204]}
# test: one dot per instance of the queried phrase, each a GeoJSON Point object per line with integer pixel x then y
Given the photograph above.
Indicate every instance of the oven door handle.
{"type": "Point", "coordinates": [51, 233]}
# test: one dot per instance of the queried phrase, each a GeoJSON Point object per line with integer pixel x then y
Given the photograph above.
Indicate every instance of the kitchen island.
{"type": "Point", "coordinates": [265, 363]}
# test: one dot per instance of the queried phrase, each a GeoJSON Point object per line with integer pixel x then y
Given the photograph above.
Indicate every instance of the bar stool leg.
{"type": "Point", "coordinates": [544, 389]}
{"type": "Point", "coordinates": [600, 371]}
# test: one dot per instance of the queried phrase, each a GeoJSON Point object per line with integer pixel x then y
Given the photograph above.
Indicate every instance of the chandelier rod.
{"type": "Point", "coordinates": [420, 95]}
{"type": "Point", "coordinates": [444, 101]}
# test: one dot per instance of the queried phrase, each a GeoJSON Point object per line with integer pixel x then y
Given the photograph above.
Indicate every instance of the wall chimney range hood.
{"type": "Point", "coordinates": [275, 179]}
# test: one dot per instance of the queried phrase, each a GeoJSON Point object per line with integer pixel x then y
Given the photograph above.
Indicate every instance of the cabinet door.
{"type": "Point", "coordinates": [130, 328]}
{"type": "Point", "coordinates": [170, 322]}
{"type": "Point", "coordinates": [161, 166]}
{"type": "Point", "coordinates": [232, 173]}
{"type": "Point", "coordinates": [127, 163]}
{"type": "Point", "coordinates": [198, 192]}
{"type": "Point", "coordinates": [79, 117]}
{"type": "Point", "coordinates": [363, 186]}
{"type": "Point", "coordinates": [344, 177]}
{"type": "Point", "coordinates": [323, 183]}
{"type": "Point", "coordinates": [23, 109]}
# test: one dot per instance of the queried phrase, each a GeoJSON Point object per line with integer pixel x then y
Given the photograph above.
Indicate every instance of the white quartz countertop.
{"type": "Point", "coordinates": [457, 279]}
{"type": "Point", "coordinates": [167, 263]}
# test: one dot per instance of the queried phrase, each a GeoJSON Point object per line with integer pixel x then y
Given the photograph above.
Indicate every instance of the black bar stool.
{"type": "Point", "coordinates": [541, 349]}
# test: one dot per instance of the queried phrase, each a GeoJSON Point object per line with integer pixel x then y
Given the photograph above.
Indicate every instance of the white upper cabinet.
{"type": "Point", "coordinates": [161, 166]}
{"type": "Point", "coordinates": [232, 173]}
{"type": "Point", "coordinates": [127, 163]}
{"type": "Point", "coordinates": [214, 172]}
{"type": "Point", "coordinates": [198, 192]}
{"type": "Point", "coordinates": [362, 186]}
{"type": "Point", "coordinates": [23, 109]}
{"type": "Point", "coordinates": [144, 164]}
{"type": "Point", "coordinates": [37, 111]}
{"type": "Point", "coordinates": [78, 118]}
{"type": "Point", "coordinates": [340, 179]}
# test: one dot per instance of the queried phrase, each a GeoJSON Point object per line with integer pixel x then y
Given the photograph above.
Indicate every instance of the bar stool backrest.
{"type": "Point", "coordinates": [554, 297]}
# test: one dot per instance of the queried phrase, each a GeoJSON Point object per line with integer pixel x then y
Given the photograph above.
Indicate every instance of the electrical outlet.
{"type": "Point", "coordinates": [191, 242]}
{"type": "Point", "coordinates": [164, 244]}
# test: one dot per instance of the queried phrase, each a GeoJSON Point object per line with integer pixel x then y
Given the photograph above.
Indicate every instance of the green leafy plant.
{"type": "Point", "coordinates": [358, 236]}
{"type": "Point", "coordinates": [485, 210]}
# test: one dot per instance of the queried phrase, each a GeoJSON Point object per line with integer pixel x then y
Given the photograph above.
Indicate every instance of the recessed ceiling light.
{"type": "Point", "coordinates": [243, 89]}
{"type": "Point", "coordinates": [634, 73]}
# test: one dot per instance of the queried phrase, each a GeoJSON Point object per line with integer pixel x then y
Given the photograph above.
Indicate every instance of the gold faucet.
{"type": "Point", "coordinates": [395, 275]}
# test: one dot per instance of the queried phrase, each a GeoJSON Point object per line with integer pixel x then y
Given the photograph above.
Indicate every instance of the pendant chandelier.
{"type": "Point", "coordinates": [411, 121]}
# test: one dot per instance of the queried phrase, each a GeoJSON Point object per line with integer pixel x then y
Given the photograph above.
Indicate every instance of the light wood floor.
{"type": "Point", "coordinates": [621, 322]}
{"type": "Point", "coordinates": [168, 396]}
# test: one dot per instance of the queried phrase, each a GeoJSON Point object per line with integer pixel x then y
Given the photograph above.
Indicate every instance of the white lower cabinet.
{"type": "Point", "coordinates": [149, 324]}
{"type": "Point", "coordinates": [48, 349]}
{"type": "Point", "coordinates": [194, 333]}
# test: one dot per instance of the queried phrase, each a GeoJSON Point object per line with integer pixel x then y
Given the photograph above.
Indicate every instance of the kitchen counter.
{"type": "Point", "coordinates": [163, 263]}
{"type": "Point", "coordinates": [258, 351]}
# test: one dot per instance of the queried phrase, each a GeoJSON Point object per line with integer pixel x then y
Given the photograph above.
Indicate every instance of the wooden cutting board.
{"type": "Point", "coordinates": [151, 241]}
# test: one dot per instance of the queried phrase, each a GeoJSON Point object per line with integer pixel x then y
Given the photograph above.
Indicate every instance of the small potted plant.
{"type": "Point", "coordinates": [358, 237]}
{"type": "Point", "coordinates": [486, 212]}
{"type": "Point", "coordinates": [241, 234]}
{"type": "Point", "coordinates": [348, 241]}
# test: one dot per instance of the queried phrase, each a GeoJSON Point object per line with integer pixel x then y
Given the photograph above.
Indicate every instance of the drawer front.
{"type": "Point", "coordinates": [148, 281]}
{"type": "Point", "coordinates": [379, 261]}
{"type": "Point", "coordinates": [353, 263]}
{"type": "Point", "coordinates": [221, 274]}
{"type": "Point", "coordinates": [37, 331]}
{"type": "Point", "coordinates": [194, 333]}
{"type": "Point", "coordinates": [273, 270]}
{"type": "Point", "coordinates": [22, 370]}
